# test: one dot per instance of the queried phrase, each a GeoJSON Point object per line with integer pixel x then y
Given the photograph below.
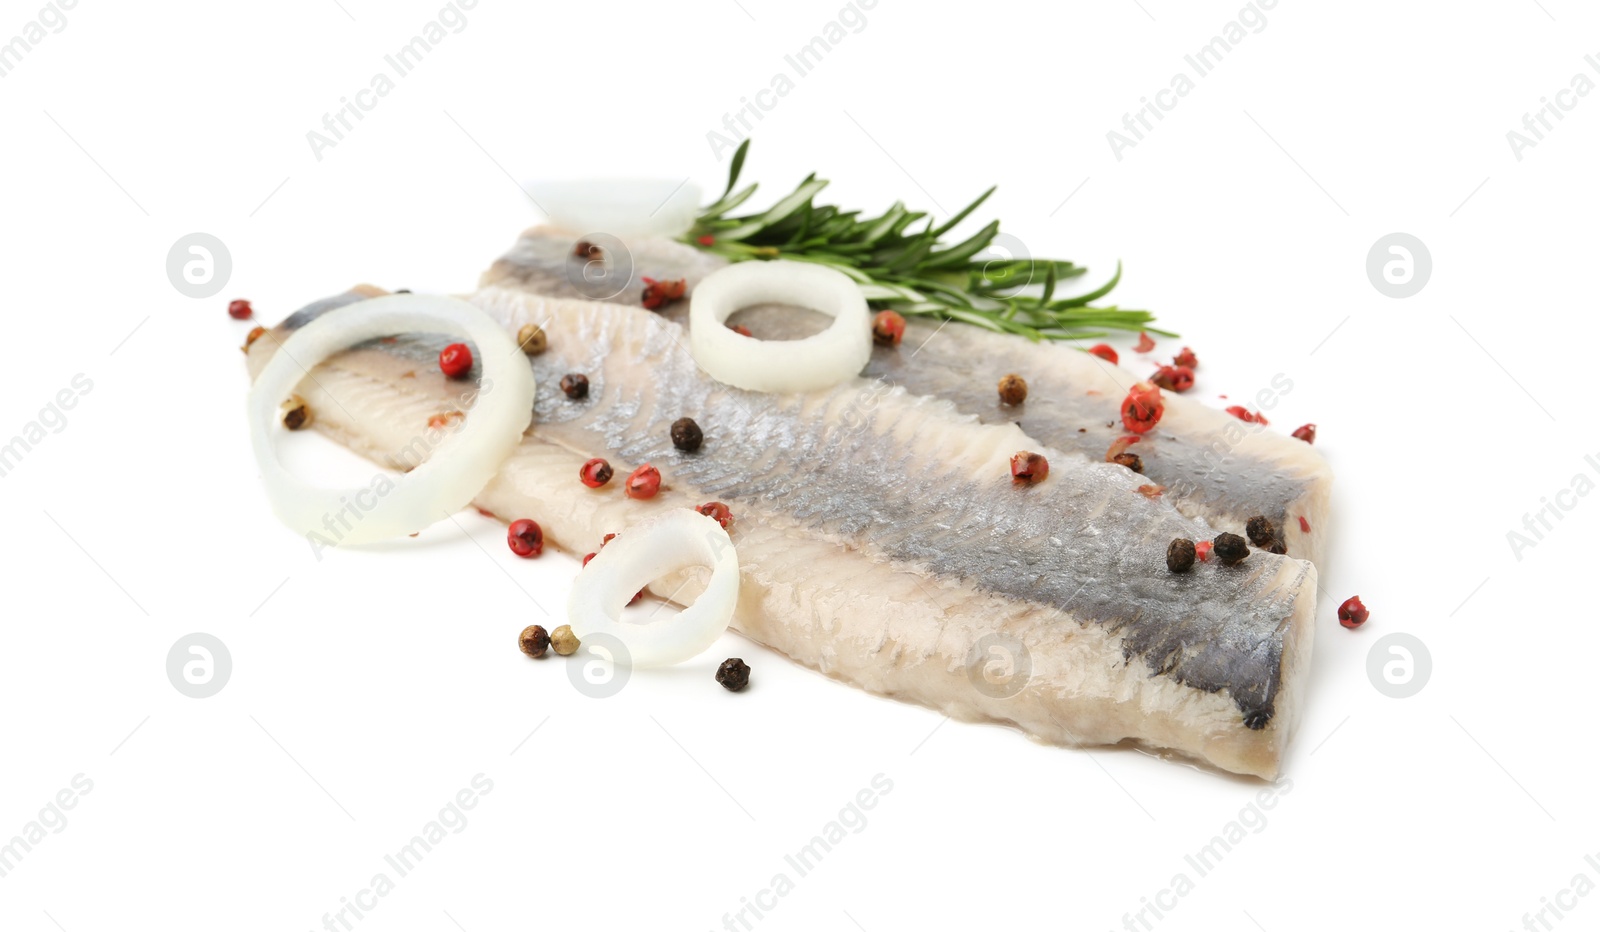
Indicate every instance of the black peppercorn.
{"type": "Point", "coordinates": [1130, 460]}
{"type": "Point", "coordinates": [1230, 548]}
{"type": "Point", "coordinates": [1260, 530]}
{"type": "Point", "coordinates": [686, 434]}
{"type": "Point", "coordinates": [575, 385]}
{"type": "Point", "coordinates": [1278, 545]}
{"type": "Point", "coordinates": [534, 640]}
{"type": "Point", "coordinates": [734, 674]}
{"type": "Point", "coordinates": [1180, 555]}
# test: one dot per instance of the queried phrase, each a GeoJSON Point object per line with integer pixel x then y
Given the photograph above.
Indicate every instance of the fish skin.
{"type": "Point", "coordinates": [1214, 467]}
{"type": "Point", "coordinates": [898, 555]}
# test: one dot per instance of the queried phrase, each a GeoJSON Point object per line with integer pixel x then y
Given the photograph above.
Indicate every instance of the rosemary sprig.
{"type": "Point", "coordinates": [912, 271]}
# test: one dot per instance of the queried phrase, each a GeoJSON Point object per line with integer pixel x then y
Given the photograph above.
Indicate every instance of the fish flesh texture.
{"type": "Point", "coordinates": [881, 539]}
{"type": "Point", "coordinates": [1212, 466]}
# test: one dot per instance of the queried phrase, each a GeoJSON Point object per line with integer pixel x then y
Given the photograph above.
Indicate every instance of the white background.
{"type": "Point", "coordinates": [369, 688]}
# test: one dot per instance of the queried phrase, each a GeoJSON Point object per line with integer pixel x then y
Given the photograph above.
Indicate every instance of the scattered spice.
{"type": "Point", "coordinates": [595, 473]}
{"type": "Point", "coordinates": [1120, 445]}
{"type": "Point", "coordinates": [707, 240]}
{"type": "Point", "coordinates": [888, 328]}
{"type": "Point", "coordinates": [1230, 548]}
{"type": "Point", "coordinates": [587, 557]}
{"type": "Point", "coordinates": [1028, 468]}
{"type": "Point", "coordinates": [1104, 351]}
{"type": "Point", "coordinates": [644, 482]}
{"type": "Point", "coordinates": [240, 309]}
{"type": "Point", "coordinates": [564, 641]}
{"type": "Point", "coordinates": [440, 421]}
{"type": "Point", "coordinates": [455, 360]}
{"type": "Point", "coordinates": [534, 640]}
{"type": "Point", "coordinates": [525, 537]}
{"type": "Point", "coordinates": [741, 330]}
{"type": "Point", "coordinates": [1145, 344]}
{"type": "Point", "coordinates": [1143, 407]}
{"type": "Point", "coordinates": [1202, 550]}
{"type": "Point", "coordinates": [1260, 530]}
{"type": "Point", "coordinates": [686, 434]}
{"type": "Point", "coordinates": [251, 338]}
{"type": "Point", "coordinates": [1186, 359]}
{"type": "Point", "coordinates": [575, 385]}
{"type": "Point", "coordinates": [718, 512]}
{"type": "Point", "coordinates": [1243, 414]}
{"type": "Point", "coordinates": [587, 250]}
{"type": "Point", "coordinates": [1151, 492]}
{"type": "Point", "coordinates": [1180, 555]}
{"type": "Point", "coordinates": [1305, 526]}
{"type": "Point", "coordinates": [734, 674]}
{"type": "Point", "coordinates": [1278, 545]}
{"type": "Point", "coordinates": [1013, 390]}
{"type": "Point", "coordinates": [1353, 614]}
{"type": "Point", "coordinates": [295, 413]}
{"type": "Point", "coordinates": [1174, 378]}
{"type": "Point", "coordinates": [1130, 460]}
{"type": "Point", "coordinates": [532, 339]}
{"type": "Point", "coordinates": [1306, 432]}
{"type": "Point", "coordinates": [606, 540]}
{"type": "Point", "coordinates": [658, 293]}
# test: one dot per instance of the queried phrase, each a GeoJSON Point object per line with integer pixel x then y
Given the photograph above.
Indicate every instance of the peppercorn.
{"type": "Point", "coordinates": [251, 338]}
{"type": "Point", "coordinates": [1186, 359]}
{"type": "Point", "coordinates": [575, 385]}
{"type": "Point", "coordinates": [1230, 548]}
{"type": "Point", "coordinates": [240, 309]}
{"type": "Point", "coordinates": [1306, 432]}
{"type": "Point", "coordinates": [1013, 390]}
{"type": "Point", "coordinates": [734, 674]}
{"type": "Point", "coordinates": [455, 360]}
{"type": "Point", "coordinates": [643, 482]}
{"type": "Point", "coordinates": [1130, 460]}
{"type": "Point", "coordinates": [718, 512]}
{"type": "Point", "coordinates": [564, 641]}
{"type": "Point", "coordinates": [534, 640]}
{"type": "Point", "coordinates": [525, 538]}
{"type": "Point", "coordinates": [532, 339]}
{"type": "Point", "coordinates": [1353, 614]}
{"type": "Point", "coordinates": [1104, 352]}
{"type": "Point", "coordinates": [586, 250]}
{"type": "Point", "coordinates": [1180, 555]}
{"type": "Point", "coordinates": [888, 328]}
{"type": "Point", "coordinates": [595, 473]}
{"type": "Point", "coordinates": [295, 413]}
{"type": "Point", "coordinates": [1028, 468]}
{"type": "Point", "coordinates": [686, 434]}
{"type": "Point", "coordinates": [1260, 530]}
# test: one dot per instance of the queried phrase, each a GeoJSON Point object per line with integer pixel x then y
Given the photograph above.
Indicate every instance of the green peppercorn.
{"type": "Point", "coordinates": [532, 339]}
{"type": "Point", "coordinates": [1180, 555]}
{"type": "Point", "coordinates": [563, 640]}
{"type": "Point", "coordinates": [534, 640]}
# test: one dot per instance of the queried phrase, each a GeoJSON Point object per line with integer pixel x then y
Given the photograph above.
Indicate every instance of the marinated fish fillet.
{"type": "Point", "coordinates": [1213, 466]}
{"type": "Point", "coordinates": [881, 540]}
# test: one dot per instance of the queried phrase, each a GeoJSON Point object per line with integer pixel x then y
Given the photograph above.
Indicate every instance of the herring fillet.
{"type": "Point", "coordinates": [1215, 467]}
{"type": "Point", "coordinates": [880, 538]}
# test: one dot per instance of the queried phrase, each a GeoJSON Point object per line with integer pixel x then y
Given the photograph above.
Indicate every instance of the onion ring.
{"type": "Point", "coordinates": [459, 466]}
{"type": "Point", "coordinates": [678, 539]}
{"type": "Point", "coordinates": [818, 361]}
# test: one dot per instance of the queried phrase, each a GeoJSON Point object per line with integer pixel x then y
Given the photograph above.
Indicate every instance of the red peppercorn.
{"type": "Point", "coordinates": [606, 540]}
{"type": "Point", "coordinates": [1186, 359]}
{"type": "Point", "coordinates": [455, 360]}
{"type": "Point", "coordinates": [707, 240]}
{"type": "Point", "coordinates": [1104, 351]}
{"type": "Point", "coordinates": [888, 328]}
{"type": "Point", "coordinates": [718, 511]}
{"type": "Point", "coordinates": [740, 329]}
{"type": "Point", "coordinates": [1352, 614]}
{"type": "Point", "coordinates": [240, 309]}
{"type": "Point", "coordinates": [644, 482]}
{"type": "Point", "coordinates": [1174, 378]}
{"type": "Point", "coordinates": [658, 293]}
{"type": "Point", "coordinates": [595, 473]}
{"type": "Point", "coordinates": [1306, 432]}
{"type": "Point", "coordinates": [587, 557]}
{"type": "Point", "coordinates": [1028, 468]}
{"type": "Point", "coordinates": [1143, 407]}
{"type": "Point", "coordinates": [1145, 344]}
{"type": "Point", "coordinates": [1202, 551]}
{"type": "Point", "coordinates": [1243, 414]}
{"type": "Point", "coordinates": [525, 537]}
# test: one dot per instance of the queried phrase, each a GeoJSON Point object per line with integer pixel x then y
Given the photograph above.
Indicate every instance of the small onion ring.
{"type": "Point", "coordinates": [678, 539]}
{"type": "Point", "coordinates": [818, 361]}
{"type": "Point", "coordinates": [459, 466]}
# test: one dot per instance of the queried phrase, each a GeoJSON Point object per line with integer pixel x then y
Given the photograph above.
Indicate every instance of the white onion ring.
{"type": "Point", "coordinates": [459, 466]}
{"type": "Point", "coordinates": [678, 539]}
{"type": "Point", "coordinates": [818, 361]}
